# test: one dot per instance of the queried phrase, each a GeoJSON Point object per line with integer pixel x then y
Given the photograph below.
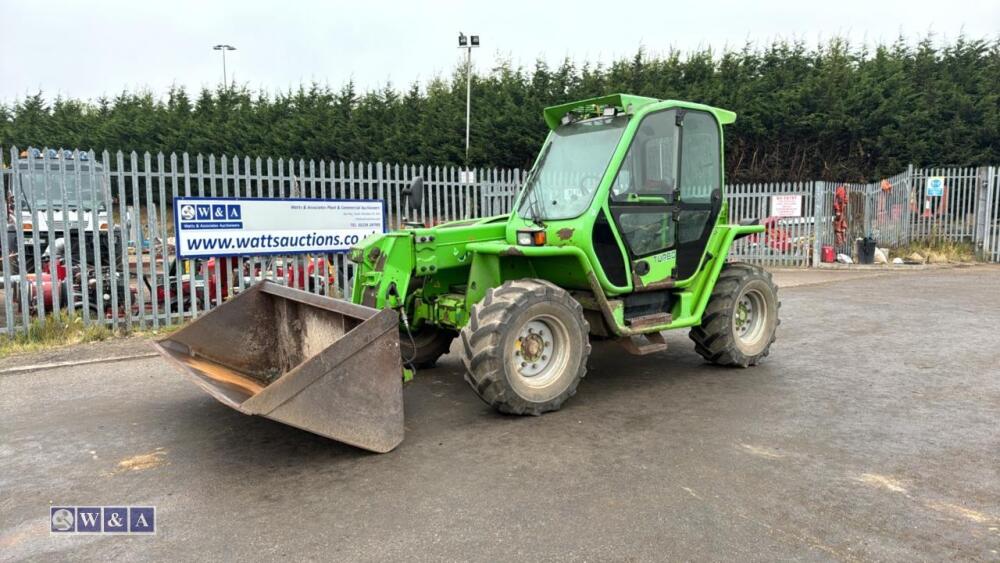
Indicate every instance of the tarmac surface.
{"type": "Point", "coordinates": [872, 432]}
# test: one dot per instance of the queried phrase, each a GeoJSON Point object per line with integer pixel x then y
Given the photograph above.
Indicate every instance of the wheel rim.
{"type": "Point", "coordinates": [750, 318]}
{"type": "Point", "coordinates": [541, 351]}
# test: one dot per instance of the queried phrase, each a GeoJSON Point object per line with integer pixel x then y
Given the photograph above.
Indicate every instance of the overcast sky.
{"type": "Point", "coordinates": [84, 49]}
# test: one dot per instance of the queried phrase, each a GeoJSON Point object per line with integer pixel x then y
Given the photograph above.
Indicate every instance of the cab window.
{"type": "Point", "coordinates": [650, 166]}
{"type": "Point", "coordinates": [646, 183]}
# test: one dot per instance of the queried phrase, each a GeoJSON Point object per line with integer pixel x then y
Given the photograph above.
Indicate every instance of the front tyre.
{"type": "Point", "coordinates": [525, 347]}
{"type": "Point", "coordinates": [739, 323]}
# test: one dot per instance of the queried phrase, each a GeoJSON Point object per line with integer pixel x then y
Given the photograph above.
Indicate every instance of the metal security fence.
{"type": "Point", "coordinates": [800, 218]}
{"type": "Point", "coordinates": [92, 234]}
{"type": "Point", "coordinates": [951, 215]}
{"type": "Point", "coordinates": [498, 194]}
{"type": "Point", "coordinates": [786, 211]}
{"type": "Point", "coordinates": [952, 204]}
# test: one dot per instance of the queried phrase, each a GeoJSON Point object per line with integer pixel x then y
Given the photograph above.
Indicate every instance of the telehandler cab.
{"type": "Point", "coordinates": [619, 232]}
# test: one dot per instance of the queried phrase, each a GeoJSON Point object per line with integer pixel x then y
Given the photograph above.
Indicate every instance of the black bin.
{"type": "Point", "coordinates": [866, 250]}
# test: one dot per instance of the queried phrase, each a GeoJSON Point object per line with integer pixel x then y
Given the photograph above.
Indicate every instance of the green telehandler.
{"type": "Point", "coordinates": [619, 232]}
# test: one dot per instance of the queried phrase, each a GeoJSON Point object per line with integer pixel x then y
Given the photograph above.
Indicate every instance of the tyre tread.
{"type": "Point", "coordinates": [714, 339]}
{"type": "Point", "coordinates": [482, 341]}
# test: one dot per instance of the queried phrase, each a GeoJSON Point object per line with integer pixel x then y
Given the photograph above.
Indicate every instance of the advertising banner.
{"type": "Point", "coordinates": [206, 227]}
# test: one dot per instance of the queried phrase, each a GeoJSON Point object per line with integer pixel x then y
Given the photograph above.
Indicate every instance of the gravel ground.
{"type": "Point", "coordinates": [870, 433]}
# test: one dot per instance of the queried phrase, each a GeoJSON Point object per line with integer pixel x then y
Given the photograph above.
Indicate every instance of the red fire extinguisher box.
{"type": "Point", "coordinates": [826, 254]}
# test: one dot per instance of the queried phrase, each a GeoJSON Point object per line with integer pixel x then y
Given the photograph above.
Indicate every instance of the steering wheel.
{"type": "Point", "coordinates": [650, 228]}
{"type": "Point", "coordinates": [589, 182]}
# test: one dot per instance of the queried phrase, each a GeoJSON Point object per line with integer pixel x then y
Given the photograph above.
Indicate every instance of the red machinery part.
{"type": "Point", "coordinates": [839, 215]}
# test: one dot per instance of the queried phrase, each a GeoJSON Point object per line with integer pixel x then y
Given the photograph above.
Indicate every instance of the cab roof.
{"type": "Point", "coordinates": [630, 104]}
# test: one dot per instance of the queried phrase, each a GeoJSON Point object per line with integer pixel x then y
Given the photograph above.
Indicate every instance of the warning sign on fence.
{"type": "Point", "coordinates": [786, 206]}
{"type": "Point", "coordinates": [934, 186]}
{"type": "Point", "coordinates": [251, 227]}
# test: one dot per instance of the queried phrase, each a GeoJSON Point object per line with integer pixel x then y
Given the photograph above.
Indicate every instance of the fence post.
{"type": "Point", "coordinates": [380, 187]}
{"type": "Point", "coordinates": [35, 235]}
{"type": "Point", "coordinates": [982, 209]}
{"type": "Point", "coordinates": [482, 195]}
{"type": "Point", "coordinates": [5, 243]}
{"type": "Point", "coordinates": [994, 222]}
{"type": "Point", "coordinates": [910, 196]}
{"type": "Point", "coordinates": [990, 214]}
{"type": "Point", "coordinates": [818, 193]}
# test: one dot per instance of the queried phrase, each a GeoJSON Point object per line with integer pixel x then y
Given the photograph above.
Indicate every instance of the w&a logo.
{"type": "Point", "coordinates": [102, 519]}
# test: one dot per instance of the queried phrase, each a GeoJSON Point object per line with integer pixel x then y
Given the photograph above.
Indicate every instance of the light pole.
{"type": "Point", "coordinates": [467, 43]}
{"type": "Point", "coordinates": [224, 48]}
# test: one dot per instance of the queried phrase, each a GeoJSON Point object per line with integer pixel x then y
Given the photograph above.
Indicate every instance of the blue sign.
{"type": "Point", "coordinates": [102, 519]}
{"type": "Point", "coordinates": [934, 186]}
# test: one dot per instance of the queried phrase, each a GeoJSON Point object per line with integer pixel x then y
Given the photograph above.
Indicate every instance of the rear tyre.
{"type": "Point", "coordinates": [429, 343]}
{"type": "Point", "coordinates": [739, 323]}
{"type": "Point", "coordinates": [525, 347]}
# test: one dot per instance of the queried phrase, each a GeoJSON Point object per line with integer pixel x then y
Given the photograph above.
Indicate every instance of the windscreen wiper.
{"type": "Point", "coordinates": [27, 204]}
{"type": "Point", "coordinates": [532, 192]}
{"type": "Point", "coordinates": [536, 214]}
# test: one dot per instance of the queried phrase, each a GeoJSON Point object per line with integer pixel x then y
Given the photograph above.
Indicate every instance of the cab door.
{"type": "Point", "coordinates": [700, 189]}
{"type": "Point", "coordinates": [666, 196]}
{"type": "Point", "coordinates": [643, 200]}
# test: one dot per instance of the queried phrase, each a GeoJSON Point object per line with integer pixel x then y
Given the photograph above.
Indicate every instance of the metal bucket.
{"type": "Point", "coordinates": [323, 365]}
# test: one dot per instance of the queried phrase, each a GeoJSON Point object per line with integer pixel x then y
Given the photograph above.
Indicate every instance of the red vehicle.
{"type": "Point", "coordinates": [211, 281]}
{"type": "Point", "coordinates": [47, 287]}
{"type": "Point", "coordinates": [774, 236]}
{"type": "Point", "coordinates": [313, 274]}
{"type": "Point", "coordinates": [80, 280]}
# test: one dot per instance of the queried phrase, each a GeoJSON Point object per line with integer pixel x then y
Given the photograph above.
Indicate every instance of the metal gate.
{"type": "Point", "coordinates": [498, 192]}
{"type": "Point", "coordinates": [930, 205]}
{"type": "Point", "coordinates": [789, 233]}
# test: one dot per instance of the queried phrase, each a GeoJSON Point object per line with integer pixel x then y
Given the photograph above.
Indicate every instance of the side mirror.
{"type": "Point", "coordinates": [415, 194]}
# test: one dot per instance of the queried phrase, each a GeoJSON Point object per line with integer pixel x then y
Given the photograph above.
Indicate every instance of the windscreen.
{"type": "Point", "coordinates": [53, 190]}
{"type": "Point", "coordinates": [570, 168]}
